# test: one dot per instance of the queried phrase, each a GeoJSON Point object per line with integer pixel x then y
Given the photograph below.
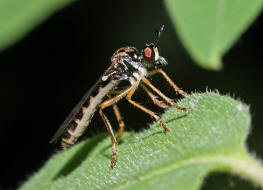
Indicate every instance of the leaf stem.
{"type": "Point", "coordinates": [247, 167]}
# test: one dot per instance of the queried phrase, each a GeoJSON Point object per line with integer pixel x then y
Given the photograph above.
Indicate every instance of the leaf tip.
{"type": "Point", "coordinates": [213, 64]}
{"type": "Point", "coordinates": [217, 64]}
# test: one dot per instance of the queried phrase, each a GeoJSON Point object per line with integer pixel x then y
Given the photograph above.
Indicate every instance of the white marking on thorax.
{"type": "Point", "coordinates": [138, 66]}
{"type": "Point", "coordinates": [137, 76]}
{"type": "Point", "coordinates": [105, 77]}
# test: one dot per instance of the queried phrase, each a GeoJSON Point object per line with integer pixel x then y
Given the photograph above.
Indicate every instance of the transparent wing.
{"type": "Point", "coordinates": [71, 116]}
{"type": "Point", "coordinates": [63, 127]}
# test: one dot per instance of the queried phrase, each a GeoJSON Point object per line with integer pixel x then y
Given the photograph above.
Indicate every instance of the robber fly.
{"type": "Point", "coordinates": [127, 64]}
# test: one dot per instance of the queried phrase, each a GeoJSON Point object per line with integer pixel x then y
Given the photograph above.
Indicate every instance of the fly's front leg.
{"type": "Point", "coordinates": [103, 105]}
{"type": "Point", "coordinates": [153, 97]}
{"type": "Point", "coordinates": [175, 87]}
{"type": "Point", "coordinates": [120, 121]}
{"type": "Point", "coordinates": [168, 100]}
{"type": "Point", "coordinates": [151, 113]}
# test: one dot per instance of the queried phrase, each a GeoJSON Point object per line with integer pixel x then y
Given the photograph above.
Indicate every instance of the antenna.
{"type": "Point", "coordinates": [158, 34]}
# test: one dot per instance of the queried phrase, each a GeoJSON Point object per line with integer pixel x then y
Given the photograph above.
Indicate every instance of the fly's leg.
{"type": "Point", "coordinates": [120, 121]}
{"type": "Point", "coordinates": [113, 139]}
{"type": "Point", "coordinates": [168, 100]}
{"type": "Point", "coordinates": [151, 113]}
{"type": "Point", "coordinates": [103, 105]}
{"type": "Point", "coordinates": [118, 91]}
{"type": "Point", "coordinates": [153, 97]}
{"type": "Point", "coordinates": [117, 111]}
{"type": "Point", "coordinates": [175, 87]}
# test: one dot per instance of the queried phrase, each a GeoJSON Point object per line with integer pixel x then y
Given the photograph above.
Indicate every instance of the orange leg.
{"type": "Point", "coordinates": [175, 87]}
{"type": "Point", "coordinates": [168, 100]}
{"type": "Point", "coordinates": [113, 139]}
{"type": "Point", "coordinates": [120, 121]}
{"type": "Point", "coordinates": [153, 97]}
{"type": "Point", "coordinates": [151, 113]}
{"type": "Point", "coordinates": [103, 105]}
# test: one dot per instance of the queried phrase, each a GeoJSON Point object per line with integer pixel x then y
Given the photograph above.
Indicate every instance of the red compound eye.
{"type": "Point", "coordinates": [147, 52]}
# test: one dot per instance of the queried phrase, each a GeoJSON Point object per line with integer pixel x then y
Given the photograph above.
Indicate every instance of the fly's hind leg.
{"type": "Point", "coordinates": [117, 111]}
{"type": "Point", "coordinates": [120, 121]}
{"type": "Point", "coordinates": [103, 105]}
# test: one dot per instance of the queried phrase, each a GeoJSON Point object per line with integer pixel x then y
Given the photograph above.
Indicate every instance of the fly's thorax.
{"type": "Point", "coordinates": [135, 78]}
{"type": "Point", "coordinates": [130, 52]}
{"type": "Point", "coordinates": [128, 68]}
{"type": "Point", "coordinates": [126, 63]}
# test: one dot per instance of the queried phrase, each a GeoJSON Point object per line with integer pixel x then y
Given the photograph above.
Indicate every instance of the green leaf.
{"type": "Point", "coordinates": [17, 18]}
{"type": "Point", "coordinates": [210, 137]}
{"type": "Point", "coordinates": [208, 28]}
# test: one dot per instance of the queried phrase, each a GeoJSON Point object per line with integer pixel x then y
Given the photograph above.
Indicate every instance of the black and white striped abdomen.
{"type": "Point", "coordinates": [83, 117]}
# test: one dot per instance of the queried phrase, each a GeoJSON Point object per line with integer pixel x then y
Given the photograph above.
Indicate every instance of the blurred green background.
{"type": "Point", "coordinates": [46, 73]}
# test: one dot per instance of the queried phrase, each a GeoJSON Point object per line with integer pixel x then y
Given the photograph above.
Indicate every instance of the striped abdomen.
{"type": "Point", "coordinates": [83, 117]}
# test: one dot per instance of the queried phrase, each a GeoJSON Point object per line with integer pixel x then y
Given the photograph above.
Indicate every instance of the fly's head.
{"type": "Point", "coordinates": [150, 53]}
{"type": "Point", "coordinates": [128, 62]}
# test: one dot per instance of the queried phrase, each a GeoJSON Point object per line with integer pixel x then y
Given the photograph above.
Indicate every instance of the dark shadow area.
{"type": "Point", "coordinates": [177, 118]}
{"type": "Point", "coordinates": [168, 121]}
{"type": "Point", "coordinates": [107, 155]}
{"type": "Point", "coordinates": [104, 150]}
{"type": "Point", "coordinates": [80, 156]}
{"type": "Point", "coordinates": [155, 133]}
{"type": "Point", "coordinates": [224, 181]}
